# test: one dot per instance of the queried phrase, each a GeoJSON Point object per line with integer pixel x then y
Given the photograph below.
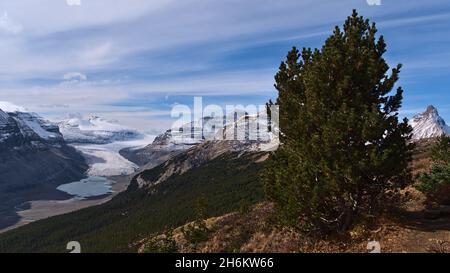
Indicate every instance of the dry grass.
{"type": "Point", "coordinates": [439, 246]}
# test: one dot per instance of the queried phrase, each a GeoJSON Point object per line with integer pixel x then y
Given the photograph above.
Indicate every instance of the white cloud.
{"type": "Point", "coordinates": [8, 25]}
{"type": "Point", "coordinates": [104, 34]}
{"type": "Point", "coordinates": [374, 2]}
{"type": "Point", "coordinates": [221, 84]}
{"type": "Point", "coordinates": [96, 55]}
{"type": "Point", "coordinates": [73, 2]}
{"type": "Point", "coordinates": [75, 77]}
{"type": "Point", "coordinates": [49, 16]}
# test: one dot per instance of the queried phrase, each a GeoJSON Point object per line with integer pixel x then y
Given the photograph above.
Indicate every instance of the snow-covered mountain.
{"type": "Point", "coordinates": [169, 144]}
{"type": "Point", "coordinates": [94, 130]}
{"type": "Point", "coordinates": [428, 124]}
{"type": "Point", "coordinates": [251, 132]}
{"type": "Point", "coordinates": [34, 160]}
{"type": "Point", "coordinates": [18, 127]}
{"type": "Point", "coordinates": [9, 107]}
{"type": "Point", "coordinates": [190, 134]}
{"type": "Point", "coordinates": [246, 129]}
{"type": "Point", "coordinates": [244, 134]}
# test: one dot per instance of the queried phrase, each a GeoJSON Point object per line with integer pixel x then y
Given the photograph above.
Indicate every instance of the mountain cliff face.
{"type": "Point", "coordinates": [428, 124]}
{"type": "Point", "coordinates": [34, 160]}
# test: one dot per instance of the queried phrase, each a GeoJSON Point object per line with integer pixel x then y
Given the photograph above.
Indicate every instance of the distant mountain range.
{"type": "Point", "coordinates": [169, 144]}
{"type": "Point", "coordinates": [425, 125]}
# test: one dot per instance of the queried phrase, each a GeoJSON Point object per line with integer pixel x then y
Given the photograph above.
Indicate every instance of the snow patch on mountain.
{"type": "Point", "coordinates": [9, 107]}
{"type": "Point", "coordinates": [252, 131]}
{"type": "Point", "coordinates": [44, 129]}
{"type": "Point", "coordinates": [247, 129]}
{"type": "Point", "coordinates": [189, 134]}
{"type": "Point", "coordinates": [3, 118]}
{"type": "Point", "coordinates": [95, 130]}
{"type": "Point", "coordinates": [242, 133]}
{"type": "Point", "coordinates": [428, 124]}
{"type": "Point", "coordinates": [20, 126]}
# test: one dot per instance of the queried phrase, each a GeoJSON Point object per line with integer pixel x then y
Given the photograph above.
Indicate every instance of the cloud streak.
{"type": "Point", "coordinates": [8, 25]}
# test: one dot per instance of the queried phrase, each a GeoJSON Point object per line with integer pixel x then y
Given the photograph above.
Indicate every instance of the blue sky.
{"type": "Point", "coordinates": [133, 60]}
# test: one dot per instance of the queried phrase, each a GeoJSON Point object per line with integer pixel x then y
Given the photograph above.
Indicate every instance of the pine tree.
{"type": "Point", "coordinates": [436, 183]}
{"type": "Point", "coordinates": [440, 152]}
{"type": "Point", "coordinates": [342, 146]}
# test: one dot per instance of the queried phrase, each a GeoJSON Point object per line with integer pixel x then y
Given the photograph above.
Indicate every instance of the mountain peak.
{"type": "Point", "coordinates": [428, 124]}
{"type": "Point", "coordinates": [431, 110]}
